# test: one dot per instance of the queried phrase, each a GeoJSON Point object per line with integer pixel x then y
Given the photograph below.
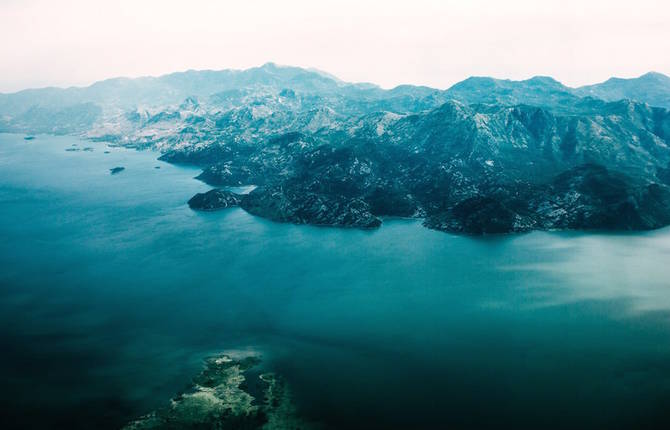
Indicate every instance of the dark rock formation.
{"type": "Point", "coordinates": [479, 215]}
{"type": "Point", "coordinates": [214, 200]}
{"type": "Point", "coordinates": [115, 170]}
{"type": "Point", "coordinates": [593, 197]}
{"type": "Point", "coordinates": [305, 207]}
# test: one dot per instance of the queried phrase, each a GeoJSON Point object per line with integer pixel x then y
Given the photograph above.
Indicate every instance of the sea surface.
{"type": "Point", "coordinates": [112, 291]}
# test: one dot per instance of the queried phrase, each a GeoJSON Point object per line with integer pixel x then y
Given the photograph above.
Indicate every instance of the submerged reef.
{"type": "Point", "coordinates": [220, 397]}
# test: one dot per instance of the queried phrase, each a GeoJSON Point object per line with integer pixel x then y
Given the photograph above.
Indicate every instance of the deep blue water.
{"type": "Point", "coordinates": [112, 291]}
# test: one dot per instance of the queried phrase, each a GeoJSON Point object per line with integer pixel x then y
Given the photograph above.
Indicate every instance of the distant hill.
{"type": "Point", "coordinates": [652, 88]}
{"type": "Point", "coordinates": [226, 88]}
{"type": "Point", "coordinates": [538, 91]}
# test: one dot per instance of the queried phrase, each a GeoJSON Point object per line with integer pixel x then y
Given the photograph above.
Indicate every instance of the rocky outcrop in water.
{"type": "Point", "coordinates": [220, 398]}
{"type": "Point", "coordinates": [214, 200]}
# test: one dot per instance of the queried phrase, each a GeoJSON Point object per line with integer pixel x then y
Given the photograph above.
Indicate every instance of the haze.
{"type": "Point", "coordinates": [435, 43]}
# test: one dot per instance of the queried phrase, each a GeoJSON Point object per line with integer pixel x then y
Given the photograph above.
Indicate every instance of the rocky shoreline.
{"type": "Point", "coordinates": [589, 197]}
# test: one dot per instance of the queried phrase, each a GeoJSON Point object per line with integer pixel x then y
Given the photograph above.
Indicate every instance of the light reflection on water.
{"type": "Point", "coordinates": [633, 266]}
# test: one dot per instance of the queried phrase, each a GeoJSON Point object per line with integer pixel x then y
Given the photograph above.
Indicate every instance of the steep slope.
{"type": "Point", "coordinates": [473, 169]}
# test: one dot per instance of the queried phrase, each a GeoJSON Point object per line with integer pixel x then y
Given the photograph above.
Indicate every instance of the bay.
{"type": "Point", "coordinates": [112, 291]}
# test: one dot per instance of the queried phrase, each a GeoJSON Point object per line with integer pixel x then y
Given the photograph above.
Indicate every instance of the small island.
{"type": "Point", "coordinates": [221, 397]}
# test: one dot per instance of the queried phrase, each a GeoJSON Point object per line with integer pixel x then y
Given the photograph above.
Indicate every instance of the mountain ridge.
{"type": "Point", "coordinates": [484, 156]}
{"type": "Point", "coordinates": [651, 75]}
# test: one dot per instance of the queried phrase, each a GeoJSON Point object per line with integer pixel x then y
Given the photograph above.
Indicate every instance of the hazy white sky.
{"type": "Point", "coordinates": [430, 42]}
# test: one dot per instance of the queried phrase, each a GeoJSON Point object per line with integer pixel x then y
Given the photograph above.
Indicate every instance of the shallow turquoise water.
{"type": "Point", "coordinates": [112, 290]}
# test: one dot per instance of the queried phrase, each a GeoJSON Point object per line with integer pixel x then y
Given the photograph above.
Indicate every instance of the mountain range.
{"type": "Point", "coordinates": [484, 156]}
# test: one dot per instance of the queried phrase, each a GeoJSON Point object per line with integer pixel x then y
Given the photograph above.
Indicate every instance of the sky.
{"type": "Point", "coordinates": [425, 42]}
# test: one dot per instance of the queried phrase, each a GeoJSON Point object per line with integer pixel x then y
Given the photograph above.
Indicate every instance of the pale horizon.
{"type": "Point", "coordinates": [431, 43]}
{"type": "Point", "coordinates": [320, 71]}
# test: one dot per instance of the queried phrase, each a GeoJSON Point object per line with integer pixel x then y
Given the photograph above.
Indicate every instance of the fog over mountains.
{"type": "Point", "coordinates": [484, 156]}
